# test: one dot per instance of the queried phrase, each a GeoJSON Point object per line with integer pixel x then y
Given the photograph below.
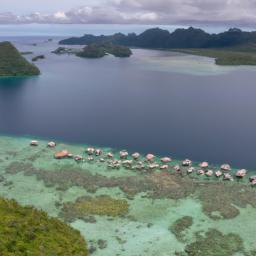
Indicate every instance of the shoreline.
{"type": "Point", "coordinates": [112, 158]}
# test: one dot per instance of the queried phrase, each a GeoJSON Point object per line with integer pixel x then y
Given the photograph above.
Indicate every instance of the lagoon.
{"type": "Point", "coordinates": [162, 102]}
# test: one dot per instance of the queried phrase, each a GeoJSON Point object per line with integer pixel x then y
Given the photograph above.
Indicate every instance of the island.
{"type": "Point", "coordinates": [232, 47]}
{"type": "Point", "coordinates": [12, 63]}
{"type": "Point", "coordinates": [65, 50]}
{"type": "Point", "coordinates": [101, 49]}
{"type": "Point", "coordinates": [26, 53]}
{"type": "Point", "coordinates": [27, 231]}
{"type": "Point", "coordinates": [39, 57]}
{"type": "Point", "coordinates": [96, 50]}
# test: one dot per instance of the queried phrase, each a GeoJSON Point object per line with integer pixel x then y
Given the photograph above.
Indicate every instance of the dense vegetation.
{"type": "Point", "coordinates": [227, 56]}
{"type": "Point", "coordinates": [92, 51]}
{"type": "Point", "coordinates": [180, 38]}
{"type": "Point", "coordinates": [118, 50]}
{"type": "Point", "coordinates": [12, 63]}
{"type": "Point", "coordinates": [27, 231]}
{"type": "Point", "coordinates": [99, 50]}
{"type": "Point", "coordinates": [233, 47]}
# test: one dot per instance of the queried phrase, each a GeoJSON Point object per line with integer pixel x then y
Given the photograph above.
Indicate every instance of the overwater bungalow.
{"type": "Point", "coordinates": [127, 163]}
{"type": "Point", "coordinates": [164, 167]}
{"type": "Point", "coordinates": [166, 160]}
{"type": "Point", "coordinates": [226, 167]}
{"type": "Point", "coordinates": [177, 168]}
{"type": "Point", "coordinates": [218, 174]}
{"type": "Point", "coordinates": [241, 173]}
{"type": "Point", "coordinates": [98, 152]}
{"type": "Point", "coordinates": [153, 166]}
{"type": "Point", "coordinates": [190, 170]}
{"type": "Point", "coordinates": [62, 154]}
{"type": "Point", "coordinates": [150, 157]}
{"type": "Point", "coordinates": [200, 172]}
{"type": "Point", "coordinates": [123, 154]}
{"type": "Point", "coordinates": [204, 165]}
{"type": "Point", "coordinates": [51, 144]}
{"type": "Point", "coordinates": [228, 176]}
{"type": "Point", "coordinates": [136, 156]}
{"type": "Point", "coordinates": [78, 158]}
{"type": "Point", "coordinates": [109, 155]}
{"type": "Point", "coordinates": [90, 151]}
{"type": "Point", "coordinates": [187, 162]}
{"type": "Point", "coordinates": [252, 178]}
{"type": "Point", "coordinates": [209, 173]}
{"type": "Point", "coordinates": [34, 143]}
{"type": "Point", "coordinates": [253, 182]}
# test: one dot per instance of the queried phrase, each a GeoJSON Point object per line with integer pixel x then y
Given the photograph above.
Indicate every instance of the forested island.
{"type": "Point", "coordinates": [233, 47]}
{"type": "Point", "coordinates": [39, 57]}
{"type": "Point", "coordinates": [12, 63]}
{"type": "Point", "coordinates": [96, 50]}
{"type": "Point", "coordinates": [99, 50]}
{"type": "Point", "coordinates": [65, 50]}
{"type": "Point", "coordinates": [27, 231]}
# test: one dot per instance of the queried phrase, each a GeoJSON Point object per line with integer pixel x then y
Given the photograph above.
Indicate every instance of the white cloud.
{"type": "Point", "coordinates": [60, 15]}
{"type": "Point", "coordinates": [228, 12]}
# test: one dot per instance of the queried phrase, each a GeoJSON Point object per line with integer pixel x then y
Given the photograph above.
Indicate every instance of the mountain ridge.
{"type": "Point", "coordinates": [180, 38]}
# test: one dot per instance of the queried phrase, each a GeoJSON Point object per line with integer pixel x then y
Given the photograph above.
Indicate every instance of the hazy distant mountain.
{"type": "Point", "coordinates": [180, 38]}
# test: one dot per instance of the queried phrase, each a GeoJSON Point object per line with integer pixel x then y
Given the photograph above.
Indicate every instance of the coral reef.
{"type": "Point", "coordinates": [101, 205]}
{"type": "Point", "coordinates": [216, 197]}
{"type": "Point", "coordinates": [158, 185]}
{"type": "Point", "coordinates": [214, 243]}
{"type": "Point", "coordinates": [225, 198]}
{"type": "Point", "coordinates": [180, 226]}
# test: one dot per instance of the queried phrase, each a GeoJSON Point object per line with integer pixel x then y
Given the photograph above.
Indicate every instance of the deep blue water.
{"type": "Point", "coordinates": [122, 103]}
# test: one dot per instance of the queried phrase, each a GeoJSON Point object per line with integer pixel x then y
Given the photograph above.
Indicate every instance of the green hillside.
{"type": "Point", "coordinates": [30, 232]}
{"type": "Point", "coordinates": [12, 63]}
{"type": "Point", "coordinates": [242, 55]}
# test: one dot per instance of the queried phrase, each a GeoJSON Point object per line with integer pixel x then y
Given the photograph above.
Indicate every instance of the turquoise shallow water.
{"type": "Point", "coordinates": [33, 177]}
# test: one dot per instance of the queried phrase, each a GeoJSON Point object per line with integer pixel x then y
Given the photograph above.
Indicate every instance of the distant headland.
{"type": "Point", "coordinates": [12, 63]}
{"type": "Point", "coordinates": [97, 50]}
{"type": "Point", "coordinates": [233, 47]}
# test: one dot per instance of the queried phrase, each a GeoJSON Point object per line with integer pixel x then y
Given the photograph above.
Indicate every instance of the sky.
{"type": "Point", "coordinates": [166, 12]}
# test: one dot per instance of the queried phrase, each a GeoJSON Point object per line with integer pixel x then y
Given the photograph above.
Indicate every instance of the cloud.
{"type": "Point", "coordinates": [184, 12]}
